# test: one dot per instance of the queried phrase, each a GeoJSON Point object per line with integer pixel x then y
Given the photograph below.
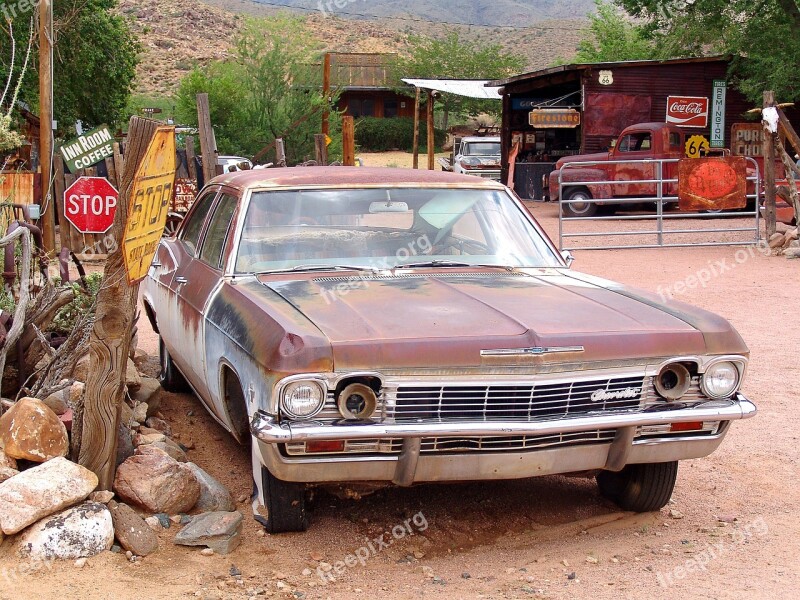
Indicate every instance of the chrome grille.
{"type": "Point", "coordinates": [514, 402]}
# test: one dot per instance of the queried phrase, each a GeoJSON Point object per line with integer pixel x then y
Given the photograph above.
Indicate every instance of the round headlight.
{"type": "Point", "coordinates": [721, 379]}
{"type": "Point", "coordinates": [302, 399]}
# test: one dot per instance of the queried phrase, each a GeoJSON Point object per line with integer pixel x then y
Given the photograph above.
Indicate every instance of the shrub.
{"type": "Point", "coordinates": [376, 135]}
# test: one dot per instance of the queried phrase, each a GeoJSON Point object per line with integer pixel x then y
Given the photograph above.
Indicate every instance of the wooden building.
{"type": "Point", "coordinates": [367, 85]}
{"type": "Point", "coordinates": [607, 97]}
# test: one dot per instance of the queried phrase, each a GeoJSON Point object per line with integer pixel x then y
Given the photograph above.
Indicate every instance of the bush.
{"type": "Point", "coordinates": [376, 135]}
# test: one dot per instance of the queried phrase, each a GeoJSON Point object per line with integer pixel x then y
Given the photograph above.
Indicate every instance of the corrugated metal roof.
{"type": "Point", "coordinates": [614, 65]}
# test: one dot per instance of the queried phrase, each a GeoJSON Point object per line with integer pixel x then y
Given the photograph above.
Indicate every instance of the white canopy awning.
{"type": "Point", "coordinates": [471, 88]}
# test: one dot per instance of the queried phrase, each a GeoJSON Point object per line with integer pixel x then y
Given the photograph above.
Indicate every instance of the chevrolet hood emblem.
{"type": "Point", "coordinates": [537, 351]}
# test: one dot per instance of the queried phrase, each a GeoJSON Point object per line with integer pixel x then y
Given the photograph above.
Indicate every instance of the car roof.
{"type": "Point", "coordinates": [349, 176]}
{"type": "Point", "coordinates": [478, 138]}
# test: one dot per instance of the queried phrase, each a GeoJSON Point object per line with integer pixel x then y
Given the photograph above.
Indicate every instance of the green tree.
{"type": "Point", "coordinates": [95, 58]}
{"type": "Point", "coordinates": [763, 37]}
{"type": "Point", "coordinates": [612, 36]}
{"type": "Point", "coordinates": [271, 88]}
{"type": "Point", "coordinates": [450, 57]}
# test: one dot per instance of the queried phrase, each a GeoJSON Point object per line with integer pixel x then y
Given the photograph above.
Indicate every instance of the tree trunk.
{"type": "Point", "coordinates": [110, 339]}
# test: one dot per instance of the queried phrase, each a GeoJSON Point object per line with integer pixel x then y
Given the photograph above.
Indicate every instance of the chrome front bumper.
{"type": "Point", "coordinates": [412, 466]}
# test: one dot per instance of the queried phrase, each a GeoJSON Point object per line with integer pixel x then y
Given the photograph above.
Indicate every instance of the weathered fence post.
{"type": "Point", "coordinates": [280, 153]}
{"type": "Point", "coordinates": [769, 170]}
{"type": "Point", "coordinates": [109, 341]}
{"type": "Point", "coordinates": [320, 149]}
{"type": "Point", "coordinates": [348, 142]}
{"type": "Point", "coordinates": [208, 145]}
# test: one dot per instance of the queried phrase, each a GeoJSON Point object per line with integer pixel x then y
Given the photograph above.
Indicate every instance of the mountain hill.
{"type": "Point", "coordinates": [176, 35]}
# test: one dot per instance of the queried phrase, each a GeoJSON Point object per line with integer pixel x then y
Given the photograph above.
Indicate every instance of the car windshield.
{"type": "Point", "coordinates": [482, 149]}
{"type": "Point", "coordinates": [386, 229]}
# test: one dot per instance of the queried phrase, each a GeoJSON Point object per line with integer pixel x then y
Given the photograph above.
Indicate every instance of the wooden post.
{"type": "Point", "coordinates": [208, 146]}
{"type": "Point", "coordinates": [431, 134]}
{"type": "Point", "coordinates": [326, 92]}
{"type": "Point", "coordinates": [348, 142]}
{"type": "Point", "coordinates": [58, 186]}
{"type": "Point", "coordinates": [769, 170]}
{"type": "Point", "coordinates": [117, 161]}
{"type": "Point", "coordinates": [113, 177]}
{"type": "Point", "coordinates": [190, 158]}
{"type": "Point", "coordinates": [415, 149]}
{"type": "Point", "coordinates": [110, 338]}
{"type": "Point", "coordinates": [280, 153]}
{"type": "Point", "coordinates": [320, 149]}
{"type": "Point", "coordinates": [48, 220]}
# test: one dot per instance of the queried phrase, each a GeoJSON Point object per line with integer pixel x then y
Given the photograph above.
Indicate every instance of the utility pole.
{"type": "Point", "coordinates": [769, 170]}
{"type": "Point", "coordinates": [47, 219]}
{"type": "Point", "coordinates": [326, 92]}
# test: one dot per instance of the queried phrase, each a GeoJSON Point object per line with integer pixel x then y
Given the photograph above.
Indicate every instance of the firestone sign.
{"type": "Point", "coordinates": [88, 149]}
{"type": "Point", "coordinates": [687, 111]}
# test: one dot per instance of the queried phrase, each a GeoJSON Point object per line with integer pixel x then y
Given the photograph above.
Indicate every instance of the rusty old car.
{"type": "Point", "coordinates": [389, 326]}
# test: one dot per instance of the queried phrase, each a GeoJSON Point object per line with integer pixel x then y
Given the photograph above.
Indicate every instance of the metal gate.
{"type": "Point", "coordinates": [656, 234]}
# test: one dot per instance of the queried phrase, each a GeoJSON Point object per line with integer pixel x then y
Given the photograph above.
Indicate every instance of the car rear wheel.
{"type": "Point", "coordinates": [640, 488]}
{"type": "Point", "coordinates": [579, 209]}
{"type": "Point", "coordinates": [285, 502]}
{"type": "Point", "coordinates": [170, 377]}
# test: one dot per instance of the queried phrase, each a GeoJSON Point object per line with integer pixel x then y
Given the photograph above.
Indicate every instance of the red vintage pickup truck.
{"type": "Point", "coordinates": [637, 142]}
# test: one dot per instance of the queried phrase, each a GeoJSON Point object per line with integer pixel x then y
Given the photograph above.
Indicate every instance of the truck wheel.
{"type": "Point", "coordinates": [579, 209]}
{"type": "Point", "coordinates": [640, 488]}
{"type": "Point", "coordinates": [285, 503]}
{"type": "Point", "coordinates": [170, 377]}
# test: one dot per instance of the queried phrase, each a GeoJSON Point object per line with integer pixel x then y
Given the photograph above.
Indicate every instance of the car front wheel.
{"type": "Point", "coordinates": [285, 503]}
{"type": "Point", "coordinates": [640, 488]}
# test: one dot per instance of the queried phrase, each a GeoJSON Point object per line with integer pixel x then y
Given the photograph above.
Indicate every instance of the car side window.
{"type": "Point", "coordinates": [634, 142]}
{"type": "Point", "coordinates": [674, 140]}
{"type": "Point", "coordinates": [217, 231]}
{"type": "Point", "coordinates": [193, 227]}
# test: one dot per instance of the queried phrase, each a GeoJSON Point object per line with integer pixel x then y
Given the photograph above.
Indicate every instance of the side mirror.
{"type": "Point", "coordinates": [568, 258]}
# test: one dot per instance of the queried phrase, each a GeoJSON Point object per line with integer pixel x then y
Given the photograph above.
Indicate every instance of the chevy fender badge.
{"type": "Point", "coordinates": [539, 351]}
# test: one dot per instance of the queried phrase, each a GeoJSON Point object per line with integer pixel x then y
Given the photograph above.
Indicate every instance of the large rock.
{"type": "Point", "coordinates": [32, 431]}
{"type": "Point", "coordinates": [81, 370]}
{"type": "Point", "coordinates": [132, 378]}
{"type": "Point", "coordinates": [214, 496]}
{"type": "Point", "coordinates": [147, 392]}
{"type": "Point", "coordinates": [124, 444]}
{"type": "Point", "coordinates": [154, 480]}
{"type": "Point", "coordinates": [159, 425]}
{"type": "Point", "coordinates": [173, 449]}
{"type": "Point", "coordinates": [78, 532]}
{"type": "Point", "coordinates": [220, 531]}
{"type": "Point", "coordinates": [132, 532]}
{"type": "Point", "coordinates": [7, 473]}
{"type": "Point", "coordinates": [41, 491]}
{"type": "Point", "coordinates": [61, 401]}
{"type": "Point", "coordinates": [7, 461]}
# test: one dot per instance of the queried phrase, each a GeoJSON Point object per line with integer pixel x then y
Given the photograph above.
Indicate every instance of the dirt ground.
{"type": "Point", "coordinates": [731, 531]}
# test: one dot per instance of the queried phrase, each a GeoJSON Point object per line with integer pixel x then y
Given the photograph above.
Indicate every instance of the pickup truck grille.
{"type": "Point", "coordinates": [514, 402]}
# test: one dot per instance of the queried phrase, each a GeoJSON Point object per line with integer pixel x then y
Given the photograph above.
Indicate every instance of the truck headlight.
{"type": "Point", "coordinates": [720, 380]}
{"type": "Point", "coordinates": [302, 399]}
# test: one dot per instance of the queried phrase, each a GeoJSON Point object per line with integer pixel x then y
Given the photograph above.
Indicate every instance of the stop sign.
{"type": "Point", "coordinates": [90, 204]}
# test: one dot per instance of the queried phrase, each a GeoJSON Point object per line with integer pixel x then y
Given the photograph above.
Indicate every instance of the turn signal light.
{"type": "Point", "coordinates": [325, 446]}
{"type": "Point", "coordinates": [690, 426]}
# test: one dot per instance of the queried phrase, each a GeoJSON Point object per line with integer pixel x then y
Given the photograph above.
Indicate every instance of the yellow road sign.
{"type": "Point", "coordinates": [328, 140]}
{"type": "Point", "coordinates": [695, 145]}
{"type": "Point", "coordinates": [149, 203]}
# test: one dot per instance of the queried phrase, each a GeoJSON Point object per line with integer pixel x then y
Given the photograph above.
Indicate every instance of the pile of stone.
{"type": "Point", "coordinates": [50, 508]}
{"type": "Point", "coordinates": [785, 241]}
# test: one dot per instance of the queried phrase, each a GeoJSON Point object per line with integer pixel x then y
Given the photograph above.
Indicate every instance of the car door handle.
{"type": "Point", "coordinates": [181, 280]}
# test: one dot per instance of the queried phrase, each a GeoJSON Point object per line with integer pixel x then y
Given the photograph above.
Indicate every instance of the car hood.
{"type": "Point", "coordinates": [445, 319]}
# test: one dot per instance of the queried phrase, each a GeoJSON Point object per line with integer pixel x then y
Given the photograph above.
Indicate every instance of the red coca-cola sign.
{"type": "Point", "coordinates": [687, 111]}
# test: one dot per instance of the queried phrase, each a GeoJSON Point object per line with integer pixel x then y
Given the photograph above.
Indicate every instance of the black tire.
{"type": "Point", "coordinates": [585, 209]}
{"type": "Point", "coordinates": [236, 407]}
{"type": "Point", "coordinates": [170, 377]}
{"type": "Point", "coordinates": [640, 488]}
{"type": "Point", "coordinates": [285, 503]}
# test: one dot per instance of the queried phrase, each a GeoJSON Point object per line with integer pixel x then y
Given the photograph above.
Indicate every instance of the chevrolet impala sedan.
{"type": "Point", "coordinates": [389, 326]}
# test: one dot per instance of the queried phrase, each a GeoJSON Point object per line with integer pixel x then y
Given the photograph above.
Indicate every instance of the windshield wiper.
{"type": "Point", "coordinates": [450, 263]}
{"type": "Point", "coordinates": [306, 268]}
